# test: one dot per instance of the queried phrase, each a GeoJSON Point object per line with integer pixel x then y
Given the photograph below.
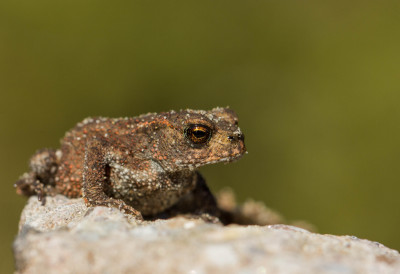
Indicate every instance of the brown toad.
{"type": "Point", "coordinates": [141, 165]}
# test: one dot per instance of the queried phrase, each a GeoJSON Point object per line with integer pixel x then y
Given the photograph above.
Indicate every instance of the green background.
{"type": "Point", "coordinates": [316, 85]}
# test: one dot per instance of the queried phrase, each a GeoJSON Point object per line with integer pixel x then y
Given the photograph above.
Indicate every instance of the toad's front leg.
{"type": "Point", "coordinates": [94, 179]}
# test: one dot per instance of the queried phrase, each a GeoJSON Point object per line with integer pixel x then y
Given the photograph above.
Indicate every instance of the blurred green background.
{"type": "Point", "coordinates": [316, 86]}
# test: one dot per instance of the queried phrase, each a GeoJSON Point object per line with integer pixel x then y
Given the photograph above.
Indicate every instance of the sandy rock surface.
{"type": "Point", "coordinates": [66, 237]}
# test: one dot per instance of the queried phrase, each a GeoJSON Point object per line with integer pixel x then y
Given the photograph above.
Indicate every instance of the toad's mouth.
{"type": "Point", "coordinates": [225, 160]}
{"type": "Point", "coordinates": [195, 163]}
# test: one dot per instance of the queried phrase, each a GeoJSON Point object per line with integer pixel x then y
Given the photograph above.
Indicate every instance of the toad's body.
{"type": "Point", "coordinates": [144, 164]}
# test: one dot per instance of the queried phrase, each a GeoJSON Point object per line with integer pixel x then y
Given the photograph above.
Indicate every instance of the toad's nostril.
{"type": "Point", "coordinates": [237, 137]}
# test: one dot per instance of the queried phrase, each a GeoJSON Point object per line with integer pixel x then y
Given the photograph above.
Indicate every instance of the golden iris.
{"type": "Point", "coordinates": [197, 133]}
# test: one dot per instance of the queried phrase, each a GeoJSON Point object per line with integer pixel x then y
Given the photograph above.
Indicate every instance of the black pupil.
{"type": "Point", "coordinates": [199, 133]}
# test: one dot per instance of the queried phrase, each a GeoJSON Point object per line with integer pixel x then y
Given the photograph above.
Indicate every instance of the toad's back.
{"type": "Point", "coordinates": [124, 134]}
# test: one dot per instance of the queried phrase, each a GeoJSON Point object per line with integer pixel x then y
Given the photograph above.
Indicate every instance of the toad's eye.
{"type": "Point", "coordinates": [197, 133]}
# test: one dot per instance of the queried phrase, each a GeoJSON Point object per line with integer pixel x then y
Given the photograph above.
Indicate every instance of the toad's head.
{"type": "Point", "coordinates": [192, 138]}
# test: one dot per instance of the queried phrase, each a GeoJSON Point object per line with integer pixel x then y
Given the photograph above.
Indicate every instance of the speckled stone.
{"type": "Point", "coordinates": [67, 237]}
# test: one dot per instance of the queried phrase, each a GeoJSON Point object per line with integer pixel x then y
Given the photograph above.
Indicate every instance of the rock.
{"type": "Point", "coordinates": [66, 237]}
